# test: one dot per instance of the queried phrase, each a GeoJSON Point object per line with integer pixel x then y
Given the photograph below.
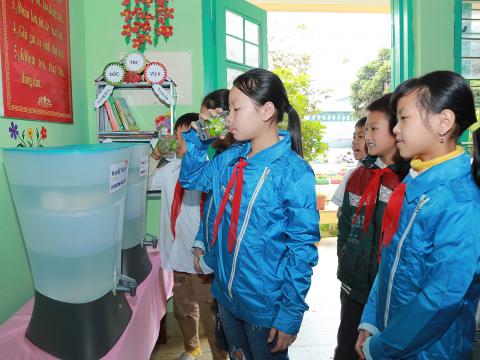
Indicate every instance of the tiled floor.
{"type": "Point", "coordinates": [317, 337]}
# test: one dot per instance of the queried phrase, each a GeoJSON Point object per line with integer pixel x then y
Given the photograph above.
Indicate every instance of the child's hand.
{"type": "Point", "coordinates": [210, 113]}
{"type": "Point", "coordinates": [362, 337]}
{"type": "Point", "coordinates": [284, 340]}
{"type": "Point", "coordinates": [155, 154]}
{"type": "Point", "coordinates": [197, 252]}
{"type": "Point", "coordinates": [194, 126]}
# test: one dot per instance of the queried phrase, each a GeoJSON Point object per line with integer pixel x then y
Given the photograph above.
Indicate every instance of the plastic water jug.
{"type": "Point", "coordinates": [135, 205]}
{"type": "Point", "coordinates": [70, 204]}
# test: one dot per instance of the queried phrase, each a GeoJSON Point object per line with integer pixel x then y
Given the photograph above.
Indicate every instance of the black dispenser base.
{"type": "Point", "coordinates": [136, 263]}
{"type": "Point", "coordinates": [78, 331]}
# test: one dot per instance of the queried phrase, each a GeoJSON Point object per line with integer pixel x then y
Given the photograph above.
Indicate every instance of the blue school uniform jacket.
{"type": "Point", "coordinates": [266, 277]}
{"type": "Point", "coordinates": [423, 302]}
{"type": "Point", "coordinates": [204, 235]}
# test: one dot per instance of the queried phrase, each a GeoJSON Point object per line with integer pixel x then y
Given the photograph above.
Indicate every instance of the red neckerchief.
{"type": "Point", "coordinates": [237, 179]}
{"type": "Point", "coordinates": [391, 216]}
{"type": "Point", "coordinates": [176, 206]}
{"type": "Point", "coordinates": [369, 197]}
{"type": "Point", "coordinates": [202, 203]}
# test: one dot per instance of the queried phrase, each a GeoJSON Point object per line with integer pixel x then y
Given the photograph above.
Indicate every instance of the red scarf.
{"type": "Point", "coordinates": [391, 216]}
{"type": "Point", "coordinates": [237, 179]}
{"type": "Point", "coordinates": [177, 206]}
{"type": "Point", "coordinates": [369, 197]}
{"type": "Point", "coordinates": [202, 203]}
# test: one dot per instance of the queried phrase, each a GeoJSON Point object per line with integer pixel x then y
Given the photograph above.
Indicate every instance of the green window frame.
{"type": "Point", "coordinates": [402, 41]}
{"type": "Point", "coordinates": [230, 45]}
{"type": "Point", "coordinates": [467, 50]}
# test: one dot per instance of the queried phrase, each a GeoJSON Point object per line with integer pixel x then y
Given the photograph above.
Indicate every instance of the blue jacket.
{"type": "Point", "coordinates": [204, 235]}
{"type": "Point", "coordinates": [423, 302]}
{"type": "Point", "coordinates": [266, 277]}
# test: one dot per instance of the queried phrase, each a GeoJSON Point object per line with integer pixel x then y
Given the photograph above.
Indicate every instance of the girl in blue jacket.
{"type": "Point", "coordinates": [423, 302]}
{"type": "Point", "coordinates": [266, 225]}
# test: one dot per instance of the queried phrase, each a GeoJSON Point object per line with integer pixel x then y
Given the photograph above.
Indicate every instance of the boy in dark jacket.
{"type": "Point", "coordinates": [366, 195]}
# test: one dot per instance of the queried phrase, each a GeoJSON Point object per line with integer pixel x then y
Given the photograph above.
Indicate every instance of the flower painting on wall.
{"type": "Point", "coordinates": [138, 16]}
{"type": "Point", "coordinates": [28, 137]}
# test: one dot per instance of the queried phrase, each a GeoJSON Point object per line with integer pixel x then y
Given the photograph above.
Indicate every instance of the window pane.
{"type": "Point", "coordinates": [476, 95]}
{"type": "Point", "coordinates": [234, 49]}
{"type": "Point", "coordinates": [471, 68]}
{"type": "Point", "coordinates": [470, 27]}
{"type": "Point", "coordinates": [234, 24]}
{"type": "Point", "coordinates": [232, 75]}
{"type": "Point", "coordinates": [471, 48]}
{"type": "Point", "coordinates": [470, 10]}
{"type": "Point", "coordinates": [252, 55]}
{"type": "Point", "coordinates": [251, 32]}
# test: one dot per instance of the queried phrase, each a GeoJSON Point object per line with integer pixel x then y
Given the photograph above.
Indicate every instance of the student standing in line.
{"type": "Point", "coordinates": [213, 102]}
{"type": "Point", "coordinates": [266, 224]}
{"type": "Point", "coordinates": [180, 219]}
{"type": "Point", "coordinates": [359, 149]}
{"type": "Point", "coordinates": [423, 302]}
{"type": "Point", "coordinates": [366, 195]}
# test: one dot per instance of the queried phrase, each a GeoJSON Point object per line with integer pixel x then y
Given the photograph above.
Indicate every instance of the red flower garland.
{"type": "Point", "coordinates": [132, 77]}
{"type": "Point", "coordinates": [137, 22]}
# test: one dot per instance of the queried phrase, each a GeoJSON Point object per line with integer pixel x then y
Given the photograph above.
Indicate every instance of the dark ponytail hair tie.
{"type": "Point", "coordinates": [288, 108]}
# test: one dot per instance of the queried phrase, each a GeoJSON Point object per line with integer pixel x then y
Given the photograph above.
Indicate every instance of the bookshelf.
{"type": "Point", "coordinates": [103, 125]}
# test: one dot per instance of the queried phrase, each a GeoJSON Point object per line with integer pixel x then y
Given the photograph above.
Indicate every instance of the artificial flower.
{"type": "Point", "coordinates": [43, 133]}
{"type": "Point", "coordinates": [13, 129]}
{"type": "Point", "coordinates": [127, 30]}
{"type": "Point", "coordinates": [165, 31]}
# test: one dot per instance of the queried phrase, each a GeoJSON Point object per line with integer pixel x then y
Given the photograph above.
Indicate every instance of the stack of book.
{"type": "Point", "coordinates": [127, 135]}
{"type": "Point", "coordinates": [118, 115]}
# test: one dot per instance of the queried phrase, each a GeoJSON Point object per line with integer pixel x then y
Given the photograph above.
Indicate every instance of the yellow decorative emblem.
{"type": "Point", "coordinates": [44, 102]}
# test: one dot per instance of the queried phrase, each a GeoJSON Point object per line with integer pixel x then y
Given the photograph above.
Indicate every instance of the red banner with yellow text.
{"type": "Point", "coordinates": [35, 56]}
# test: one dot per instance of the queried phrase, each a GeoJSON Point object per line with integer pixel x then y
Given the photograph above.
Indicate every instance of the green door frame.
{"type": "Point", "coordinates": [465, 137]}
{"type": "Point", "coordinates": [403, 56]}
{"type": "Point", "coordinates": [458, 37]}
{"type": "Point", "coordinates": [214, 49]}
{"type": "Point", "coordinates": [209, 40]}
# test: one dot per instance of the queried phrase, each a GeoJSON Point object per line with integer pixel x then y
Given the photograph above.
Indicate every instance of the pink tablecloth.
{"type": "Point", "coordinates": [138, 340]}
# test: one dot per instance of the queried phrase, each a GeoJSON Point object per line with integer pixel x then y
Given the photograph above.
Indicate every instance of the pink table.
{"type": "Point", "coordinates": [138, 340]}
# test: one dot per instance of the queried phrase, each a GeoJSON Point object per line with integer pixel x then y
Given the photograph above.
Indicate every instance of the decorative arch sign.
{"type": "Point", "coordinates": [35, 60]}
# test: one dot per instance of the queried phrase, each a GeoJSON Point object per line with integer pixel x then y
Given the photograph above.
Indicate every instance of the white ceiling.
{"type": "Point", "coordinates": [328, 2]}
{"type": "Point", "coordinates": [321, 5]}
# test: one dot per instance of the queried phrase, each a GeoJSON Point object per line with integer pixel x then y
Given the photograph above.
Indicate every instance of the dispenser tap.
{"type": "Point", "coordinates": [153, 241]}
{"type": "Point", "coordinates": [127, 284]}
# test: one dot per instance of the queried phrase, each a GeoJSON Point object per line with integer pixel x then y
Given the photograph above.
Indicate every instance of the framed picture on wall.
{"type": "Point", "coordinates": [35, 60]}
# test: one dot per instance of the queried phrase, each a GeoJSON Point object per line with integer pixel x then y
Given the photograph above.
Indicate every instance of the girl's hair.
{"type": "Point", "coordinates": [216, 99]}
{"type": "Point", "coordinates": [219, 99]}
{"type": "Point", "coordinates": [440, 90]}
{"type": "Point", "coordinates": [263, 86]}
{"type": "Point", "coordinates": [382, 104]}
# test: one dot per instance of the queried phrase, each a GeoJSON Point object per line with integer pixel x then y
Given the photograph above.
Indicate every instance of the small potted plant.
{"type": "Point", "coordinates": [321, 200]}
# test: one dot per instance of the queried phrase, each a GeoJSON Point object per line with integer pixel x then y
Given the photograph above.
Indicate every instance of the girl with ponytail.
{"type": "Point", "coordinates": [423, 302]}
{"type": "Point", "coordinates": [263, 240]}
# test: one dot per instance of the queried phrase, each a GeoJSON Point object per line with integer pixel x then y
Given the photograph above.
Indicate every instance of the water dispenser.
{"type": "Point", "coordinates": [70, 203]}
{"type": "Point", "coordinates": [135, 261]}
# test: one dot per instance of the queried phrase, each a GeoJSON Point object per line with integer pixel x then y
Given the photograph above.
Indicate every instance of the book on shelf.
{"type": "Point", "coordinates": [115, 114]}
{"type": "Point", "coordinates": [122, 108]}
{"type": "Point", "coordinates": [121, 114]}
{"type": "Point", "coordinates": [126, 135]}
{"type": "Point", "coordinates": [110, 116]}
